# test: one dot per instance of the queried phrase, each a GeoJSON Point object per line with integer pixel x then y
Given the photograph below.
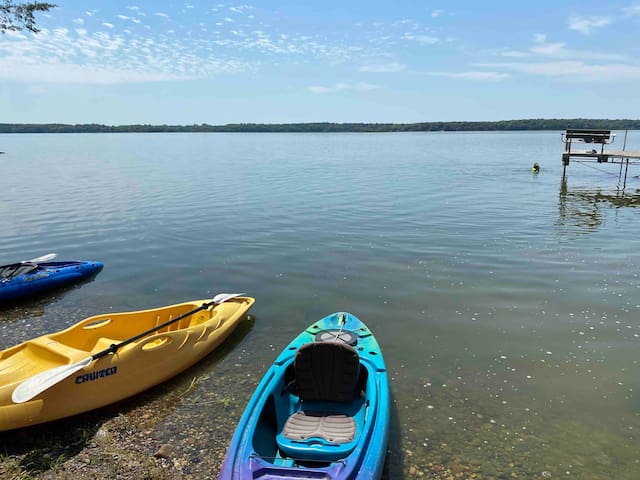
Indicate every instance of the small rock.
{"type": "Point", "coordinates": [164, 451]}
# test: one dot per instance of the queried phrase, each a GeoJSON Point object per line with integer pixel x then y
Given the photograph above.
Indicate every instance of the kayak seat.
{"type": "Point", "coordinates": [7, 272]}
{"type": "Point", "coordinates": [326, 371]}
{"type": "Point", "coordinates": [325, 425]}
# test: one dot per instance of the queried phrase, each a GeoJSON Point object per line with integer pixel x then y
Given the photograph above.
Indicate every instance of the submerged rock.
{"type": "Point", "coordinates": [164, 451]}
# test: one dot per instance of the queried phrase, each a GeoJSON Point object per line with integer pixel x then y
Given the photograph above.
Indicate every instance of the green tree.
{"type": "Point", "coordinates": [18, 16]}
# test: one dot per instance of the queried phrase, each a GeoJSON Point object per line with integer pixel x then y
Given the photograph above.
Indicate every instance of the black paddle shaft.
{"type": "Point", "coordinates": [115, 346]}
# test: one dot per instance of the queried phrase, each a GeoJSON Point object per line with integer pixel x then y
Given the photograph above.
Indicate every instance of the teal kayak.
{"type": "Point", "coordinates": [321, 411]}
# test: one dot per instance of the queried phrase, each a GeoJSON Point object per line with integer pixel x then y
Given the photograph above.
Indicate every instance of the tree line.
{"type": "Point", "coordinates": [329, 127]}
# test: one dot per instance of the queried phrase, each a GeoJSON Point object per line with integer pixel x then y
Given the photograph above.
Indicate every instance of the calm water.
{"type": "Point", "coordinates": [507, 304]}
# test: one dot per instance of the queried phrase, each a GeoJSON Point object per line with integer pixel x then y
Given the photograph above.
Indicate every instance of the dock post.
{"type": "Point", "coordinates": [565, 162]}
{"type": "Point", "coordinates": [624, 185]}
{"type": "Point", "coordinates": [624, 147]}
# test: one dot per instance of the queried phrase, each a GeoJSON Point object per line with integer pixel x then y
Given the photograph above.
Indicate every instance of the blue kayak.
{"type": "Point", "coordinates": [320, 412]}
{"type": "Point", "coordinates": [22, 280]}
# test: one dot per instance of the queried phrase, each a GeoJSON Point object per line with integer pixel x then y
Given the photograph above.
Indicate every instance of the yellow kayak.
{"type": "Point", "coordinates": [106, 358]}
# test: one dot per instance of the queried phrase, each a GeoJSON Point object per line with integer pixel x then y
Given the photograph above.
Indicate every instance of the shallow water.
{"type": "Point", "coordinates": [506, 303]}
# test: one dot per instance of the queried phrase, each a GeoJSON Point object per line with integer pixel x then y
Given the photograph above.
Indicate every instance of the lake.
{"type": "Point", "coordinates": [507, 304]}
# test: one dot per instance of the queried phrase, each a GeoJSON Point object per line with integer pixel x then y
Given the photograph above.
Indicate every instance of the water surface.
{"type": "Point", "coordinates": [506, 303]}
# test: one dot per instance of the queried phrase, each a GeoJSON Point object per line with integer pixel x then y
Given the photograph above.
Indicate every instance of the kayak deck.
{"type": "Point", "coordinates": [115, 375]}
{"type": "Point", "coordinates": [25, 280]}
{"type": "Point", "coordinates": [91, 336]}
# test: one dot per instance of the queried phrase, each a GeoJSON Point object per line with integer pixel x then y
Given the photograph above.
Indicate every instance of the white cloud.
{"type": "Point", "coordinates": [421, 39]}
{"type": "Point", "coordinates": [573, 70]}
{"type": "Point", "coordinates": [101, 58]}
{"type": "Point", "coordinates": [383, 68]}
{"type": "Point", "coordinates": [559, 50]}
{"type": "Point", "coordinates": [78, 21]}
{"type": "Point", "coordinates": [320, 90]}
{"type": "Point", "coordinates": [80, 74]}
{"type": "Point", "coordinates": [539, 37]}
{"type": "Point", "coordinates": [365, 87]}
{"type": "Point", "coordinates": [512, 53]}
{"type": "Point", "coordinates": [632, 10]}
{"type": "Point", "coordinates": [108, 25]}
{"type": "Point", "coordinates": [437, 13]}
{"type": "Point", "coordinates": [16, 35]}
{"type": "Point", "coordinates": [160, 14]}
{"type": "Point", "coordinates": [472, 75]}
{"type": "Point", "coordinates": [241, 8]}
{"type": "Point", "coordinates": [338, 87]}
{"type": "Point", "coordinates": [548, 48]}
{"type": "Point", "coordinates": [586, 25]}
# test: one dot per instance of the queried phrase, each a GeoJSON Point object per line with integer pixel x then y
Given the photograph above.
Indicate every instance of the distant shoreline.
{"type": "Point", "coordinates": [328, 127]}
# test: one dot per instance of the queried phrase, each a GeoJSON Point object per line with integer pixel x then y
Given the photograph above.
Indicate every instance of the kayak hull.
{"type": "Point", "coordinates": [255, 451]}
{"type": "Point", "coordinates": [46, 277]}
{"type": "Point", "coordinates": [133, 368]}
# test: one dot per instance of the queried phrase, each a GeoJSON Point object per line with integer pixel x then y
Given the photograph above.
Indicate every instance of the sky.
{"type": "Point", "coordinates": [162, 62]}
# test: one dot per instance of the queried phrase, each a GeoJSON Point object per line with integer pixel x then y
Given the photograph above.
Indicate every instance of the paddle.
{"type": "Point", "coordinates": [43, 258]}
{"type": "Point", "coordinates": [42, 381]}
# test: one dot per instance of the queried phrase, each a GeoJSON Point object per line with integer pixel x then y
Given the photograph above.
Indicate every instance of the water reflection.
{"type": "Point", "coordinates": [34, 306]}
{"type": "Point", "coordinates": [583, 210]}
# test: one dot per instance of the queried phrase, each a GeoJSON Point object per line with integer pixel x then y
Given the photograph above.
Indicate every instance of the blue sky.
{"type": "Point", "coordinates": [123, 62]}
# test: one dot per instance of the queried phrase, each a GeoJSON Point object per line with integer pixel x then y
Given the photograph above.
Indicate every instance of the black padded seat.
{"type": "Point", "coordinates": [326, 379]}
{"type": "Point", "coordinates": [326, 371]}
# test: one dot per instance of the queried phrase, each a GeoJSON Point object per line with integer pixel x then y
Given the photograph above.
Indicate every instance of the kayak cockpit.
{"type": "Point", "coordinates": [318, 415]}
{"type": "Point", "coordinates": [323, 425]}
{"type": "Point", "coordinates": [100, 331]}
{"type": "Point", "coordinates": [7, 272]}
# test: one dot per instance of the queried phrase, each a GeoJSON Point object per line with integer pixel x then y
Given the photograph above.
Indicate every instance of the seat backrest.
{"type": "Point", "coordinates": [326, 371]}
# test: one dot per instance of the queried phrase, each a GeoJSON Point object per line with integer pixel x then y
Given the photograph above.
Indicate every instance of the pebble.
{"type": "Point", "coordinates": [164, 451]}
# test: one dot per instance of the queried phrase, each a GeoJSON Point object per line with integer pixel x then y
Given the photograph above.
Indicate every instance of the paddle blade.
{"type": "Point", "coordinates": [43, 258]}
{"type": "Point", "coordinates": [37, 384]}
{"type": "Point", "coordinates": [223, 297]}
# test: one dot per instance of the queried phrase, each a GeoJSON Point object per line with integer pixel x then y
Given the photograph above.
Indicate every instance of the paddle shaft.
{"type": "Point", "coordinates": [115, 346]}
{"type": "Point", "coordinates": [37, 384]}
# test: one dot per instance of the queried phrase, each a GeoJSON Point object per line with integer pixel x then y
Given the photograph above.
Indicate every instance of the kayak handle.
{"type": "Point", "coordinates": [156, 343]}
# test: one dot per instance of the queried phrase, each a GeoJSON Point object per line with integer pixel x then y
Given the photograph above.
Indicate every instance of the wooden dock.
{"type": "Point", "coordinates": [613, 156]}
{"type": "Point", "coordinates": [598, 138]}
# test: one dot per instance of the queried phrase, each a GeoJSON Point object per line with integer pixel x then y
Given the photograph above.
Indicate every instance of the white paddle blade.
{"type": "Point", "coordinates": [223, 297]}
{"type": "Point", "coordinates": [37, 384]}
{"type": "Point", "coordinates": [43, 258]}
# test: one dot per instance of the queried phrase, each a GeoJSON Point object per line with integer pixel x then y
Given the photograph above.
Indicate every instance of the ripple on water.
{"type": "Point", "coordinates": [467, 268]}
